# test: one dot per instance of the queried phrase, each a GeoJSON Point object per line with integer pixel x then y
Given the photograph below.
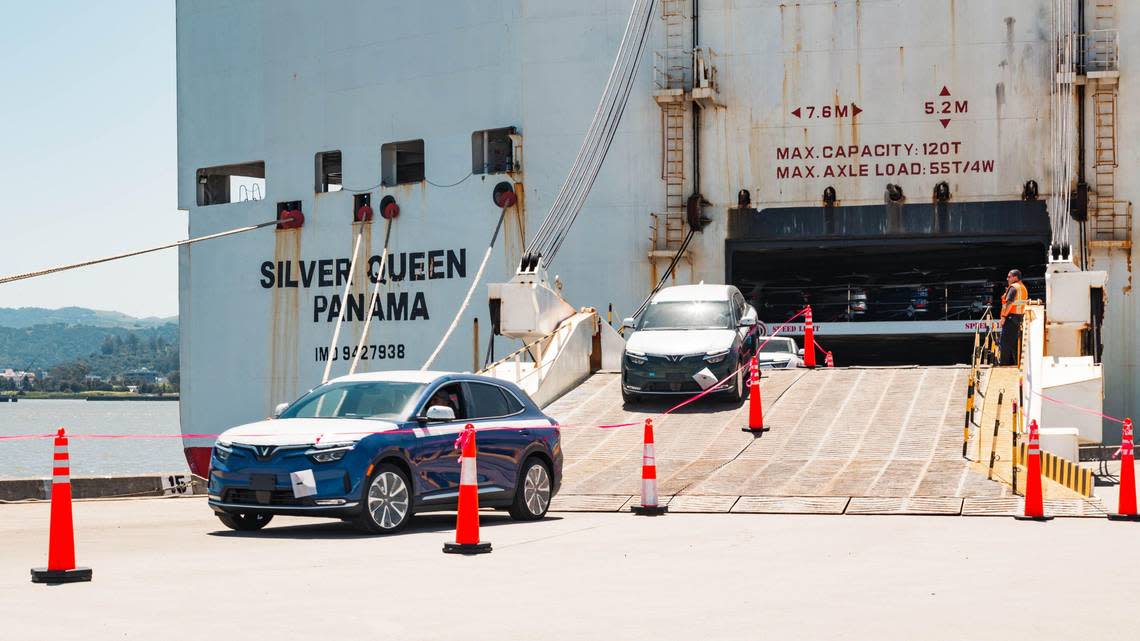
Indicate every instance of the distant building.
{"type": "Point", "coordinates": [17, 375]}
{"type": "Point", "coordinates": [142, 375]}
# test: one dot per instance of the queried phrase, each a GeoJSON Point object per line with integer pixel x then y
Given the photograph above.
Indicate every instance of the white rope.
{"type": "Point", "coordinates": [467, 298]}
{"type": "Point", "coordinates": [372, 301]}
{"type": "Point", "coordinates": [86, 263]}
{"type": "Point", "coordinates": [343, 305]}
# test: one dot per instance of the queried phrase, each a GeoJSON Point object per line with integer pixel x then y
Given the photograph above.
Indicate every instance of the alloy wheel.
{"type": "Point", "coordinates": [536, 489]}
{"type": "Point", "coordinates": [388, 500]}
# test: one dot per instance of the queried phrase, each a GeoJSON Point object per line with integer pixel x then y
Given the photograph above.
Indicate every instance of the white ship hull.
{"type": "Point", "coordinates": [848, 95]}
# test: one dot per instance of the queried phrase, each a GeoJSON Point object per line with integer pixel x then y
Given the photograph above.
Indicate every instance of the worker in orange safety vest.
{"type": "Point", "coordinates": [1012, 311]}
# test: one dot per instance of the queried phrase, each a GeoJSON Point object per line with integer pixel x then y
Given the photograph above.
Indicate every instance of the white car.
{"type": "Point", "coordinates": [779, 352]}
{"type": "Point", "coordinates": [688, 338]}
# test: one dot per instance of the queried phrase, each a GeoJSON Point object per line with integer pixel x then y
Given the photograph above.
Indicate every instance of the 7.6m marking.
{"type": "Point", "coordinates": [810, 112]}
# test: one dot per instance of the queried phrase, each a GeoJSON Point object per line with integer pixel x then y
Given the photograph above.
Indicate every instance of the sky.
{"type": "Point", "coordinates": [88, 153]}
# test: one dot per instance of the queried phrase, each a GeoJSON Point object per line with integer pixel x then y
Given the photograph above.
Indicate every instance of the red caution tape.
{"type": "Point", "coordinates": [459, 439]}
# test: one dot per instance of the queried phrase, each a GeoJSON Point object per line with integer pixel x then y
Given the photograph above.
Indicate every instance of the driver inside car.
{"type": "Point", "coordinates": [441, 397]}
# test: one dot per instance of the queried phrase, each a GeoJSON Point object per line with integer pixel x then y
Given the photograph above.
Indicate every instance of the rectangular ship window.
{"type": "Point", "coordinates": [230, 183]}
{"type": "Point", "coordinates": [402, 162]}
{"type": "Point", "coordinates": [328, 172]}
{"type": "Point", "coordinates": [492, 151]}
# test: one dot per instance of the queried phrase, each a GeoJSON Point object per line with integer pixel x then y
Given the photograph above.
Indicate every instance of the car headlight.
{"type": "Point", "coordinates": [328, 453]}
{"type": "Point", "coordinates": [222, 451]}
{"type": "Point", "coordinates": [716, 357]}
{"type": "Point", "coordinates": [636, 358]}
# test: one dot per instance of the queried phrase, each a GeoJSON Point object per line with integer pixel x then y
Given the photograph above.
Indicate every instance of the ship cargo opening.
{"type": "Point", "coordinates": [888, 284]}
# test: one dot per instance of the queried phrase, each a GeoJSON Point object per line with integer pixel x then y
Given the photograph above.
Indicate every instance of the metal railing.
{"type": "Point", "coordinates": [1111, 220]}
{"type": "Point", "coordinates": [1095, 51]}
{"type": "Point", "coordinates": [673, 69]}
{"type": "Point", "coordinates": [685, 69]}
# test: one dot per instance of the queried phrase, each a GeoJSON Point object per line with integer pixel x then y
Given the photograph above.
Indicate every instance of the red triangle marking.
{"type": "Point", "coordinates": [944, 121]}
{"type": "Point", "coordinates": [855, 110]}
{"type": "Point", "coordinates": [796, 112]}
{"type": "Point", "coordinates": [944, 92]}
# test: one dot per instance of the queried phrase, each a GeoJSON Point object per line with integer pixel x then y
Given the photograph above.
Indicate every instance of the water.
{"type": "Point", "coordinates": [91, 457]}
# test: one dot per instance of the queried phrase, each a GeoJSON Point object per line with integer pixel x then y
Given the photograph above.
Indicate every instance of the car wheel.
{"type": "Point", "coordinates": [629, 397]}
{"type": "Point", "coordinates": [386, 506]}
{"type": "Point", "coordinates": [532, 496]}
{"type": "Point", "coordinates": [244, 521]}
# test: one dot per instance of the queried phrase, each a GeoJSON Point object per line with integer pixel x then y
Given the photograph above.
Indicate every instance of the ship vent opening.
{"type": "Point", "coordinates": [230, 183]}
{"type": "Point", "coordinates": [492, 151]}
{"type": "Point", "coordinates": [328, 172]}
{"type": "Point", "coordinates": [402, 162]}
{"type": "Point", "coordinates": [887, 286]}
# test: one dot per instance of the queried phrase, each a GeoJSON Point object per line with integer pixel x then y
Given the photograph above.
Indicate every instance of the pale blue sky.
{"type": "Point", "coordinates": [88, 160]}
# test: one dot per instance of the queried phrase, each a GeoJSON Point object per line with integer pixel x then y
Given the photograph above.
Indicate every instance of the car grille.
{"type": "Point", "coordinates": [677, 361]}
{"type": "Point", "coordinates": [243, 496]}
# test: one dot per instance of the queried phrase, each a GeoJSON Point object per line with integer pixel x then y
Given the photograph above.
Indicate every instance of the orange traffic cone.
{"type": "Point", "coordinates": [755, 405]}
{"type": "Point", "coordinates": [1034, 508]}
{"type": "Point", "coordinates": [828, 360]}
{"type": "Point", "coordinates": [649, 505]}
{"type": "Point", "coordinates": [1126, 511]}
{"type": "Point", "coordinates": [61, 539]}
{"type": "Point", "coordinates": [467, 522]}
{"type": "Point", "coordinates": [809, 339]}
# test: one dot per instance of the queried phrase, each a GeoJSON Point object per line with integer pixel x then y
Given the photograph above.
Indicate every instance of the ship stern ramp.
{"type": "Point", "coordinates": [858, 440]}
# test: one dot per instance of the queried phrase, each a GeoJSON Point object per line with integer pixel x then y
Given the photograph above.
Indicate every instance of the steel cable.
{"type": "Point", "coordinates": [580, 179]}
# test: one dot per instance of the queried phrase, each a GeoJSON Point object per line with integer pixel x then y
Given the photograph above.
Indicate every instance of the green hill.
{"type": "Point", "coordinates": [106, 351]}
{"type": "Point", "coordinates": [21, 317]}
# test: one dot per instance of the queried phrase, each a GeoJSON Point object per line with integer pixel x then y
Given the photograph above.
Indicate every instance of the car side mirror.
{"type": "Point", "coordinates": [440, 413]}
{"type": "Point", "coordinates": [281, 407]}
{"type": "Point", "coordinates": [628, 322]}
{"type": "Point", "coordinates": [800, 352]}
{"type": "Point", "coordinates": [748, 321]}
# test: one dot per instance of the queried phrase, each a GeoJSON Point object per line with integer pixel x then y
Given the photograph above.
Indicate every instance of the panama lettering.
{"type": "Point", "coordinates": [401, 267]}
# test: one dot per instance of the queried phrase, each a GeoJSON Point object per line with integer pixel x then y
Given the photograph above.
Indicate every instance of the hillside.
{"type": "Point", "coordinates": [106, 351]}
{"type": "Point", "coordinates": [21, 317]}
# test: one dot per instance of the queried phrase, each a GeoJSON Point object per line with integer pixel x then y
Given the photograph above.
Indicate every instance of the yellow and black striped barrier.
{"type": "Point", "coordinates": [1060, 470]}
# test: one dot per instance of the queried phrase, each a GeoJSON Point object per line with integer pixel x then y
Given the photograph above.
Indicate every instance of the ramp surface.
{"type": "Point", "coordinates": [843, 432]}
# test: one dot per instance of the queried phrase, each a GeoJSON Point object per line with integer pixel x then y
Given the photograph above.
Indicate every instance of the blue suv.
{"type": "Point", "coordinates": [377, 448]}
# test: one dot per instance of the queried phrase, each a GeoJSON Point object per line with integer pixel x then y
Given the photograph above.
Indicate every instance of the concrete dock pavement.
{"type": "Point", "coordinates": [166, 569]}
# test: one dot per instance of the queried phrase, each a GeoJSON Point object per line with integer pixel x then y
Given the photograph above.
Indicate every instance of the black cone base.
{"type": "Point", "coordinates": [1022, 517]}
{"type": "Point", "coordinates": [649, 510]}
{"type": "Point", "coordinates": [482, 547]}
{"type": "Point", "coordinates": [44, 575]}
{"type": "Point", "coordinates": [754, 430]}
{"type": "Point", "coordinates": [1124, 517]}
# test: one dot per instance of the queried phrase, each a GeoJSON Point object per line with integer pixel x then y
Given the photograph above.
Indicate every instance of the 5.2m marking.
{"type": "Point", "coordinates": [946, 106]}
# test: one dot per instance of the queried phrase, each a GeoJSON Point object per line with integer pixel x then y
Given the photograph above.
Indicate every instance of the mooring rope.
{"type": "Point", "coordinates": [344, 304]}
{"type": "Point", "coordinates": [107, 259]}
{"type": "Point", "coordinates": [372, 301]}
{"type": "Point", "coordinates": [467, 298]}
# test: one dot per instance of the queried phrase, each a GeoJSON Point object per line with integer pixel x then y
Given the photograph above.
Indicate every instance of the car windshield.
{"type": "Point", "coordinates": [778, 345]}
{"type": "Point", "coordinates": [372, 400]}
{"type": "Point", "coordinates": [687, 315]}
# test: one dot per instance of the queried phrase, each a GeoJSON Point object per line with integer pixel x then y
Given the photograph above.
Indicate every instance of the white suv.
{"type": "Point", "coordinates": [688, 338]}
